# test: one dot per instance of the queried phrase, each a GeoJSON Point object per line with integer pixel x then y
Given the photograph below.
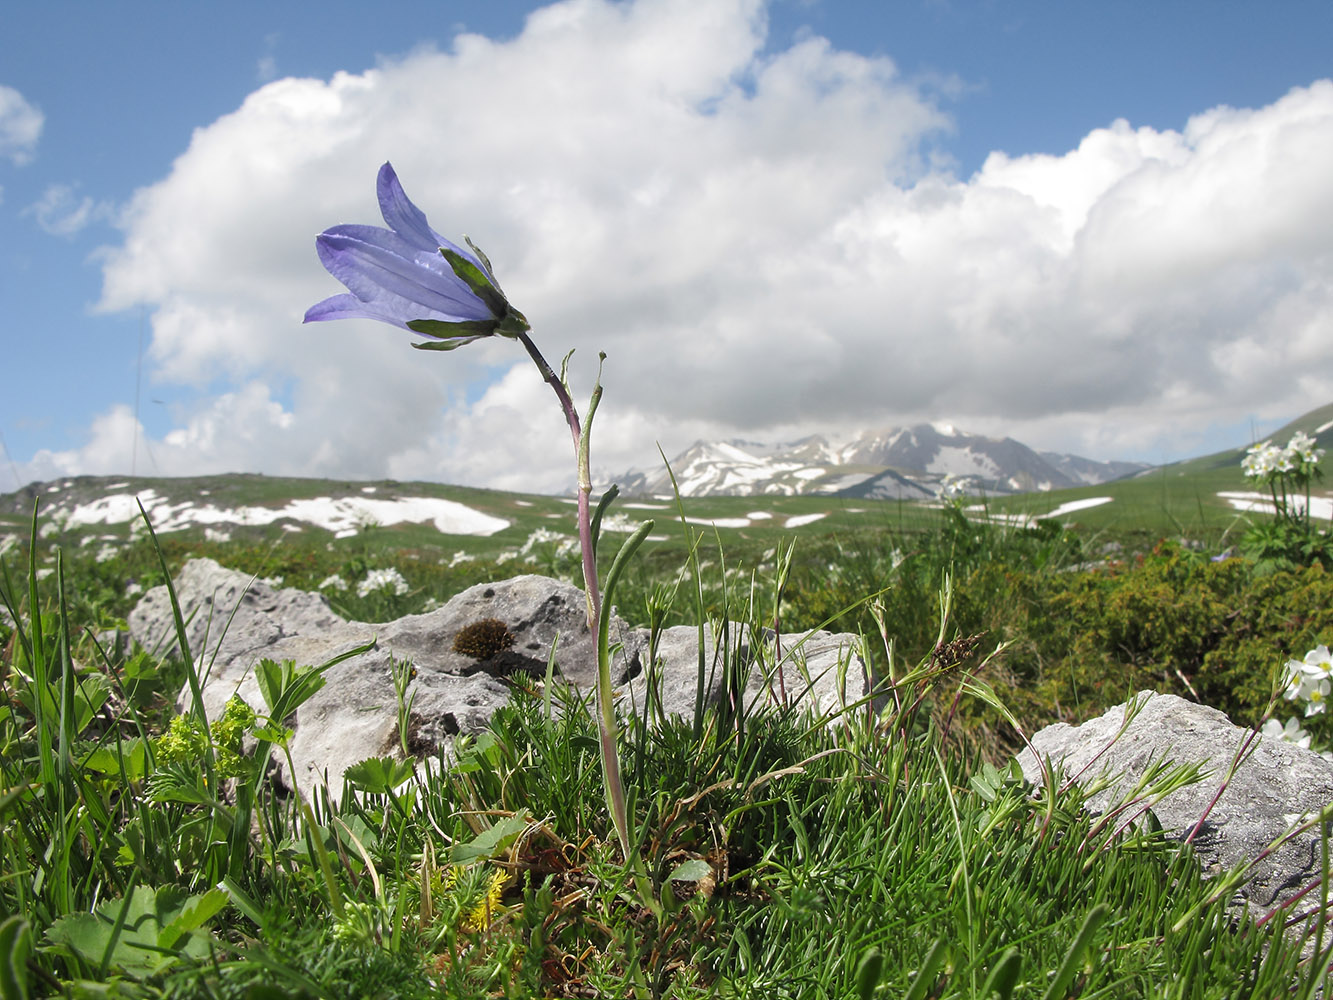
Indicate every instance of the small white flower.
{"type": "Point", "coordinates": [1315, 693]}
{"type": "Point", "coordinates": [952, 487]}
{"type": "Point", "coordinates": [382, 579]}
{"type": "Point", "coordinates": [334, 582]}
{"type": "Point", "coordinates": [1317, 663]}
{"type": "Point", "coordinates": [1293, 679]}
{"type": "Point", "coordinates": [1289, 733]}
{"type": "Point", "coordinates": [1302, 447]}
{"type": "Point", "coordinates": [1262, 460]}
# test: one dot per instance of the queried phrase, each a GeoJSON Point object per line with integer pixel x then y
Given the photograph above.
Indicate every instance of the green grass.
{"type": "Point", "coordinates": [873, 854]}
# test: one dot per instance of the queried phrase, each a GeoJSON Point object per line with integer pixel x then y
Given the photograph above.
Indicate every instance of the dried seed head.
{"type": "Point", "coordinates": [483, 639]}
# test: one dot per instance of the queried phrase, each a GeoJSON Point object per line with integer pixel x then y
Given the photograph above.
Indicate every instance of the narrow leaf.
{"type": "Point", "coordinates": [1074, 956]}
{"type": "Point", "coordinates": [1004, 977]}
{"type": "Point", "coordinates": [930, 967]}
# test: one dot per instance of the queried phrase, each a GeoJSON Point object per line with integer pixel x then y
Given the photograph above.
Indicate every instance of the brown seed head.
{"type": "Point", "coordinates": [483, 639]}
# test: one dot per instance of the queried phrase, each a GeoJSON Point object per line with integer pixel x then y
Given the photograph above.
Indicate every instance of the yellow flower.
{"type": "Point", "coordinates": [480, 889]}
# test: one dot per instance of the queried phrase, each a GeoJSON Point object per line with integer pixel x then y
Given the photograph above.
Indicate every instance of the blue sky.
{"type": "Point", "coordinates": [777, 219]}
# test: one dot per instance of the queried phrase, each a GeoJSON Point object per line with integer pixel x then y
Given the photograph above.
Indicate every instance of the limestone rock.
{"type": "Point", "coordinates": [1276, 781]}
{"type": "Point", "coordinates": [822, 669]}
{"type": "Point", "coordinates": [355, 715]}
{"type": "Point", "coordinates": [234, 621]}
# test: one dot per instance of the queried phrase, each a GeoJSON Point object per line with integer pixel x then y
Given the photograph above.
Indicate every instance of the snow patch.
{"type": "Point", "coordinates": [963, 462]}
{"type": "Point", "coordinates": [848, 481]}
{"type": "Point", "coordinates": [1320, 507]}
{"type": "Point", "coordinates": [344, 516]}
{"type": "Point", "coordinates": [721, 522]}
{"type": "Point", "coordinates": [1028, 520]}
{"type": "Point", "coordinates": [801, 519]}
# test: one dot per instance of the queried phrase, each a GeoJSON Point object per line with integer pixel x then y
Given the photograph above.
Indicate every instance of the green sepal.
{"type": "Point", "coordinates": [477, 280]}
{"type": "Point", "coordinates": [485, 261]}
{"type": "Point", "coordinates": [471, 328]}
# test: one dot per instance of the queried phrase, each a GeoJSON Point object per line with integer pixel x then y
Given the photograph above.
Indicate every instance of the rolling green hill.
{"type": "Point", "coordinates": [1171, 500]}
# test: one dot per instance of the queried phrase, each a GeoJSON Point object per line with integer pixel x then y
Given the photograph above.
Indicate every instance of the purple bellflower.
{"type": "Point", "coordinates": [411, 276]}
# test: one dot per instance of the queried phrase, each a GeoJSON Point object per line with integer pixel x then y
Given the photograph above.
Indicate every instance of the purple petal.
{"type": "Point", "coordinates": [398, 275]}
{"type": "Point", "coordinates": [373, 268]}
{"type": "Point", "coordinates": [408, 221]}
{"type": "Point", "coordinates": [350, 307]}
{"type": "Point", "coordinates": [342, 306]}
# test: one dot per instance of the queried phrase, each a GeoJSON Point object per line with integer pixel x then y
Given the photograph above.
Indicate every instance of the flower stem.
{"type": "Point", "coordinates": [606, 719]}
{"type": "Point", "coordinates": [585, 478]}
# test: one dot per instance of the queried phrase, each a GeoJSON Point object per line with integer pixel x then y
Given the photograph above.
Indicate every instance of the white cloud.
{"type": "Point", "coordinates": [759, 241]}
{"type": "Point", "coordinates": [20, 126]}
{"type": "Point", "coordinates": [62, 212]}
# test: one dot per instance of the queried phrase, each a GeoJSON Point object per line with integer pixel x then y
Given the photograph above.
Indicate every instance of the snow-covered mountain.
{"type": "Point", "coordinates": [903, 462]}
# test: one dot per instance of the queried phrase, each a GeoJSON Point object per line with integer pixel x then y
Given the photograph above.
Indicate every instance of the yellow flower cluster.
{"type": "Point", "coordinates": [479, 890]}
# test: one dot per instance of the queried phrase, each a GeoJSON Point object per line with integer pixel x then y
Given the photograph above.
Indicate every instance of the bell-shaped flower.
{"type": "Point", "coordinates": [411, 276]}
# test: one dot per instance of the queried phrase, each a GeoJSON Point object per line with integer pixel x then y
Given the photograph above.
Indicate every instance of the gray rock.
{"type": "Point", "coordinates": [234, 621]}
{"type": "Point", "coordinates": [823, 670]}
{"type": "Point", "coordinates": [1274, 782]}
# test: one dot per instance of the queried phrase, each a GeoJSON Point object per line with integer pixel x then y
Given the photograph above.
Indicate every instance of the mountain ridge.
{"type": "Point", "coordinates": [911, 462]}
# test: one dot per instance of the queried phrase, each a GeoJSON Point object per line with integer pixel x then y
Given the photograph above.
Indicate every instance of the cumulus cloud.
{"type": "Point", "coordinates": [760, 241]}
{"type": "Point", "coordinates": [20, 126]}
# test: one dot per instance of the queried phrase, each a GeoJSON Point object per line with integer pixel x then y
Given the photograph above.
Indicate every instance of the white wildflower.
{"type": "Point", "coordinates": [382, 579]}
{"type": "Point", "coordinates": [1317, 663]}
{"type": "Point", "coordinates": [1315, 693]}
{"type": "Point", "coordinates": [1261, 460]}
{"type": "Point", "coordinates": [1291, 732]}
{"type": "Point", "coordinates": [1302, 447]}
{"type": "Point", "coordinates": [334, 582]}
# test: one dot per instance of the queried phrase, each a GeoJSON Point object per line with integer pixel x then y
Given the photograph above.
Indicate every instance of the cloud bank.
{"type": "Point", "coordinates": [761, 241]}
